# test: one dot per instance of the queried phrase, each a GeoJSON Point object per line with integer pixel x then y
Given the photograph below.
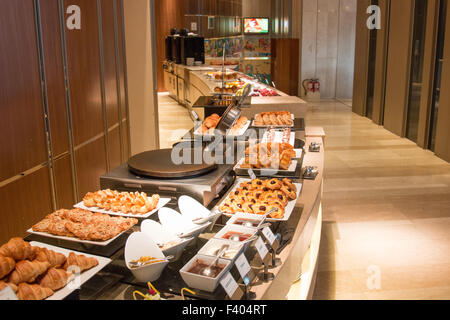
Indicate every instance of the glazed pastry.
{"type": "Point", "coordinates": [7, 265]}
{"type": "Point", "coordinates": [279, 213]}
{"type": "Point", "coordinates": [28, 271]}
{"type": "Point", "coordinates": [248, 207]}
{"type": "Point", "coordinates": [289, 184]}
{"type": "Point", "coordinates": [3, 285]}
{"type": "Point", "coordinates": [290, 193]}
{"type": "Point", "coordinates": [33, 292]}
{"type": "Point", "coordinates": [55, 259]}
{"type": "Point", "coordinates": [226, 208]}
{"type": "Point", "coordinates": [81, 261]}
{"type": "Point", "coordinates": [257, 183]}
{"type": "Point", "coordinates": [273, 184]}
{"type": "Point", "coordinates": [55, 279]}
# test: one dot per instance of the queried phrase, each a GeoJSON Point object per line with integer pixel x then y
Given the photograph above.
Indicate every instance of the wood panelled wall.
{"type": "Point", "coordinates": [64, 85]}
{"type": "Point", "coordinates": [443, 124]}
{"type": "Point", "coordinates": [169, 14]}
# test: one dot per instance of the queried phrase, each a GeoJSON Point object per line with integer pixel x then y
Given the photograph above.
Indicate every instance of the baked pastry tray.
{"type": "Point", "coordinates": [97, 243]}
{"type": "Point", "coordinates": [162, 202]}
{"type": "Point", "coordinates": [265, 172]}
{"type": "Point", "coordinates": [241, 132]}
{"type": "Point", "coordinates": [79, 280]}
{"type": "Point", "coordinates": [287, 210]}
{"type": "Point", "coordinates": [273, 126]}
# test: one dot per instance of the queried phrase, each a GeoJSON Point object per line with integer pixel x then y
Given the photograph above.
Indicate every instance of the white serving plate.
{"type": "Point", "coordinates": [201, 282]}
{"type": "Point", "coordinates": [161, 235]}
{"type": "Point", "coordinates": [180, 225]}
{"type": "Point", "coordinates": [213, 245]}
{"type": "Point", "coordinates": [194, 210]}
{"type": "Point", "coordinates": [140, 245]}
{"type": "Point", "coordinates": [278, 138]}
{"type": "Point", "coordinates": [162, 202]}
{"type": "Point", "coordinates": [97, 243]}
{"type": "Point", "coordinates": [298, 153]}
{"type": "Point", "coordinates": [82, 278]}
{"type": "Point", "coordinates": [240, 133]}
{"type": "Point", "coordinates": [274, 126]}
{"type": "Point", "coordinates": [287, 210]}
{"type": "Point", "coordinates": [267, 171]}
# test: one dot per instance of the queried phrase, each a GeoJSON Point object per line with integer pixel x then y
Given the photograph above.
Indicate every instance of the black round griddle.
{"type": "Point", "coordinates": [158, 164]}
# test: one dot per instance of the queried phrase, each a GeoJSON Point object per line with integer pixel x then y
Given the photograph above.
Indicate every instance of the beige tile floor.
{"type": "Point", "coordinates": [386, 230]}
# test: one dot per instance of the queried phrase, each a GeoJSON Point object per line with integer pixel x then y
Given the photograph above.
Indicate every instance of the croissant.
{"type": "Point", "coordinates": [54, 279]}
{"type": "Point", "coordinates": [28, 271]}
{"type": "Point", "coordinates": [80, 261]}
{"type": "Point", "coordinates": [3, 285]}
{"type": "Point", "coordinates": [33, 292]}
{"type": "Point", "coordinates": [55, 259]}
{"type": "Point", "coordinates": [18, 249]}
{"type": "Point", "coordinates": [7, 265]}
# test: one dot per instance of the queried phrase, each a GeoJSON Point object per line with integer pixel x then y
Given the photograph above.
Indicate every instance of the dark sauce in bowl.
{"type": "Point", "coordinates": [199, 266]}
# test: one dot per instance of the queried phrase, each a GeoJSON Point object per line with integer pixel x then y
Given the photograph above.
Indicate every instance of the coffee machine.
{"type": "Point", "coordinates": [182, 45]}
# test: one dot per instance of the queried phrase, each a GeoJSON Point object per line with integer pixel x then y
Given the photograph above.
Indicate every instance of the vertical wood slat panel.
{"type": "Point", "coordinates": [399, 65]}
{"type": "Point", "coordinates": [91, 164]}
{"type": "Point", "coordinates": [54, 72]}
{"type": "Point", "coordinates": [380, 64]}
{"type": "Point", "coordinates": [361, 59]}
{"type": "Point", "coordinates": [109, 58]}
{"type": "Point", "coordinates": [123, 81]}
{"type": "Point", "coordinates": [24, 203]}
{"type": "Point", "coordinates": [64, 182]}
{"type": "Point", "coordinates": [23, 140]}
{"type": "Point", "coordinates": [84, 74]}
{"type": "Point", "coordinates": [442, 148]}
{"type": "Point", "coordinates": [429, 60]}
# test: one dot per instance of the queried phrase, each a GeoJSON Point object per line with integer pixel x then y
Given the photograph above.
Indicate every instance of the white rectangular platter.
{"type": "Point", "coordinates": [274, 126]}
{"type": "Point", "coordinates": [162, 202]}
{"type": "Point", "coordinates": [287, 211]}
{"type": "Point", "coordinates": [239, 134]}
{"type": "Point", "coordinates": [79, 279]}
{"type": "Point", "coordinates": [267, 171]}
{"type": "Point", "coordinates": [279, 138]}
{"type": "Point", "coordinates": [97, 243]}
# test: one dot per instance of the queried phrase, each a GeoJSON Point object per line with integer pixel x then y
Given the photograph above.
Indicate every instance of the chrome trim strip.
{"type": "Point", "coordinates": [48, 133]}
{"type": "Point", "coordinates": [68, 102]}
{"type": "Point", "coordinates": [102, 77]}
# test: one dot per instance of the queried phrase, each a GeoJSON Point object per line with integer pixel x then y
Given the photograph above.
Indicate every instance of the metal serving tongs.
{"type": "Point", "coordinates": [233, 112]}
{"type": "Point", "coordinates": [138, 264]}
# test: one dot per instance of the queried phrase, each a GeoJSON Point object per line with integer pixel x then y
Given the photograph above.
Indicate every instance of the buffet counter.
{"type": "Point", "coordinates": [186, 84]}
{"type": "Point", "coordinates": [297, 259]}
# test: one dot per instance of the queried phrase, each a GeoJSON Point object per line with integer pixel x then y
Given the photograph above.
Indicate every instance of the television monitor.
{"type": "Point", "coordinates": [256, 25]}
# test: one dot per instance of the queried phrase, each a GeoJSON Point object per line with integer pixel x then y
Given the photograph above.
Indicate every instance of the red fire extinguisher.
{"type": "Point", "coordinates": [316, 85]}
{"type": "Point", "coordinates": [309, 88]}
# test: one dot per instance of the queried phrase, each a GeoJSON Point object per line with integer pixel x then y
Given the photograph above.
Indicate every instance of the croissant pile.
{"type": "Point", "coordinates": [84, 225]}
{"type": "Point", "coordinates": [211, 122]}
{"type": "Point", "coordinates": [280, 118]}
{"type": "Point", "coordinates": [269, 156]}
{"type": "Point", "coordinates": [137, 203]}
{"type": "Point", "coordinates": [260, 196]}
{"type": "Point", "coordinates": [35, 273]}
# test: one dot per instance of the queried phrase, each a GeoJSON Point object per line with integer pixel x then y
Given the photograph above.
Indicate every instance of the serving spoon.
{"type": "Point", "coordinates": [208, 270]}
{"type": "Point", "coordinates": [250, 225]}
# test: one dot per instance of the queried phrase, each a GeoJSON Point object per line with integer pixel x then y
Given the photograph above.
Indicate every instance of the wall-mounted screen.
{"type": "Point", "coordinates": [256, 25]}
